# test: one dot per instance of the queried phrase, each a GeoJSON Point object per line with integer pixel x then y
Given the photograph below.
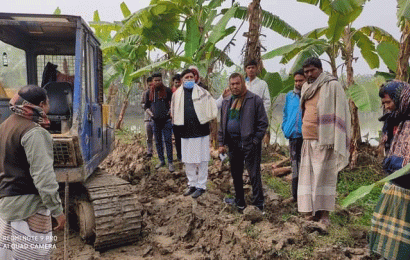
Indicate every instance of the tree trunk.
{"type": "Point", "coordinates": [122, 113]}
{"type": "Point", "coordinates": [112, 94]}
{"type": "Point", "coordinates": [253, 46]}
{"type": "Point", "coordinates": [334, 67]}
{"type": "Point", "coordinates": [356, 135]}
{"type": "Point", "coordinates": [404, 54]}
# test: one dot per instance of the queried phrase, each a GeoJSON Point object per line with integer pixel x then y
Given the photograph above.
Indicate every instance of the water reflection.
{"type": "Point", "coordinates": [369, 124]}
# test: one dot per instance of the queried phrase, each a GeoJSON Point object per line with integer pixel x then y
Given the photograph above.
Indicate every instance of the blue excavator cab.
{"type": "Point", "coordinates": [61, 54]}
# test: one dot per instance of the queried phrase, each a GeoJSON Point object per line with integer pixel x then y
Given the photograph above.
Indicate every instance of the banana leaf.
{"type": "Point", "coordinates": [364, 190]}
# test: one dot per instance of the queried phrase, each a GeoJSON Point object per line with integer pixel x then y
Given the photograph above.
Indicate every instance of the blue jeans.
{"type": "Point", "coordinates": [163, 129]}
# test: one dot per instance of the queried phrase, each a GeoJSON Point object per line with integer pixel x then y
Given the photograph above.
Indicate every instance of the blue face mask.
{"type": "Point", "coordinates": [189, 84]}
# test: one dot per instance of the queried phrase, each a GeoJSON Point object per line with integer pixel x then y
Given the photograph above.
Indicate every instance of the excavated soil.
{"type": "Point", "coordinates": [178, 227]}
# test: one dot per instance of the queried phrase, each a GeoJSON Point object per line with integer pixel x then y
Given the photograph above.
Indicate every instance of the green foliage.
{"type": "Point", "coordinates": [289, 51]}
{"type": "Point", "coordinates": [252, 231]}
{"type": "Point", "coordinates": [366, 95]}
{"type": "Point", "coordinates": [337, 23]}
{"type": "Point", "coordinates": [349, 181]}
{"type": "Point", "coordinates": [379, 35]}
{"type": "Point", "coordinates": [389, 53]}
{"type": "Point", "coordinates": [172, 63]}
{"type": "Point", "coordinates": [280, 186]}
{"type": "Point", "coordinates": [367, 49]}
{"type": "Point", "coordinates": [193, 37]}
{"type": "Point", "coordinates": [403, 11]}
{"type": "Point", "coordinates": [270, 21]}
{"type": "Point", "coordinates": [57, 11]}
{"type": "Point", "coordinates": [124, 9]}
{"type": "Point", "coordinates": [276, 85]}
{"type": "Point", "coordinates": [364, 190]}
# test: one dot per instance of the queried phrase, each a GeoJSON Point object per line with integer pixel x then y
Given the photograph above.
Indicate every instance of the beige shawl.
{"type": "Point", "coordinates": [333, 115]}
{"type": "Point", "coordinates": [204, 105]}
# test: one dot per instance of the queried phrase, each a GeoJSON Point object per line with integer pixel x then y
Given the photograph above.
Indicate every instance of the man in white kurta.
{"type": "Point", "coordinates": [192, 107]}
{"type": "Point", "coordinates": [257, 85]}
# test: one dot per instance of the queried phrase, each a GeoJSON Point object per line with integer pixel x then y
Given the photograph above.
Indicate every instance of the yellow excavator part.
{"type": "Point", "coordinates": [10, 92]}
{"type": "Point", "coordinates": [3, 93]}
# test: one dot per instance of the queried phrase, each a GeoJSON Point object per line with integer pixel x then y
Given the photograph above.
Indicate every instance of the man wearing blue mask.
{"type": "Point", "coordinates": [192, 108]}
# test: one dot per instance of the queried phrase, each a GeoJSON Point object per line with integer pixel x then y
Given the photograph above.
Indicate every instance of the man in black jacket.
{"type": "Point", "coordinates": [157, 105]}
{"type": "Point", "coordinates": [242, 128]}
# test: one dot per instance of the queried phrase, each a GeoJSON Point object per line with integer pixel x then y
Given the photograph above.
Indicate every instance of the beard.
{"type": "Point", "coordinates": [311, 80]}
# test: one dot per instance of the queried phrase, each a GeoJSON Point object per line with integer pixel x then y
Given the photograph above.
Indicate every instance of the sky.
{"type": "Point", "coordinates": [303, 17]}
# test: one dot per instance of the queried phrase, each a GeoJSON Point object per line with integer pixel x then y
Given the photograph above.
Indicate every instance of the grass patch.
{"type": "Point", "coordinates": [252, 231]}
{"type": "Point", "coordinates": [278, 185]}
{"type": "Point", "coordinates": [300, 253]}
{"type": "Point", "coordinates": [349, 181]}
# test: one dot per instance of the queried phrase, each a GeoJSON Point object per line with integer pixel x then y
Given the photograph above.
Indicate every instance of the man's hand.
{"type": "Point", "coordinates": [60, 221]}
{"type": "Point", "coordinates": [149, 112]}
{"type": "Point", "coordinates": [222, 150]}
{"type": "Point", "coordinates": [226, 92]}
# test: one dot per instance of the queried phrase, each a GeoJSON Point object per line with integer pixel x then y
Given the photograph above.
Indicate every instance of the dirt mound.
{"type": "Point", "coordinates": [179, 227]}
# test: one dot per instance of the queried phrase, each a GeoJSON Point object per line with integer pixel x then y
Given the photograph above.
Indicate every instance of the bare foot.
{"type": "Point", "coordinates": [311, 218]}
{"type": "Point", "coordinates": [325, 221]}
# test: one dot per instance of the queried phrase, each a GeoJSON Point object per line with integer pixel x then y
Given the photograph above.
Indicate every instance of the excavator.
{"type": "Point", "coordinates": [61, 54]}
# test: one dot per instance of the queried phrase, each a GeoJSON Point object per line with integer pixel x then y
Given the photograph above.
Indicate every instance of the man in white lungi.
{"type": "Point", "coordinates": [192, 108]}
{"type": "Point", "coordinates": [326, 140]}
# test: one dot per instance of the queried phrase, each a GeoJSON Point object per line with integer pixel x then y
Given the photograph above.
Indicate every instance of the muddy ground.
{"type": "Point", "coordinates": [178, 227]}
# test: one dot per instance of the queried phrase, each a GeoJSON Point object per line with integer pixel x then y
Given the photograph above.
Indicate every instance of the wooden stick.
{"type": "Point", "coordinates": [280, 163]}
{"type": "Point", "coordinates": [281, 171]}
{"type": "Point", "coordinates": [66, 226]}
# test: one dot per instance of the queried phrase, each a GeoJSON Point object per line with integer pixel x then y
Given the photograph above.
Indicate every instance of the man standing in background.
{"type": "Point", "coordinates": [242, 128]}
{"type": "Point", "coordinates": [157, 103]}
{"type": "Point", "coordinates": [149, 123]}
{"type": "Point", "coordinates": [257, 85]}
{"type": "Point", "coordinates": [176, 83]}
{"type": "Point", "coordinates": [292, 129]}
{"type": "Point", "coordinates": [326, 140]}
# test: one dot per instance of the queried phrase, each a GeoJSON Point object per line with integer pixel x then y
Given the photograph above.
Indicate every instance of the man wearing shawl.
{"type": "Point", "coordinates": [192, 108]}
{"type": "Point", "coordinates": [28, 187]}
{"type": "Point", "coordinates": [326, 140]}
{"type": "Point", "coordinates": [390, 230]}
{"type": "Point", "coordinates": [242, 128]}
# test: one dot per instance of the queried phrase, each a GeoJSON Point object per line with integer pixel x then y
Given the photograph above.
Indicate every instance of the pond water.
{"type": "Point", "coordinates": [369, 124]}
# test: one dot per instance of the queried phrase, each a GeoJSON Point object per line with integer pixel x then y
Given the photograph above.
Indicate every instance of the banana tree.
{"type": "Point", "coordinates": [122, 56]}
{"type": "Point", "coordinates": [403, 16]}
{"type": "Point", "coordinates": [338, 39]}
{"type": "Point", "coordinates": [200, 28]}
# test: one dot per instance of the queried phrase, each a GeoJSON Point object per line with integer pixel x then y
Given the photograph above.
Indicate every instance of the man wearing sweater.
{"type": "Point", "coordinates": [28, 188]}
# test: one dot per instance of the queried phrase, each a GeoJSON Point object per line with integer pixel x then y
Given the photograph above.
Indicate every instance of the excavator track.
{"type": "Point", "coordinates": [117, 212]}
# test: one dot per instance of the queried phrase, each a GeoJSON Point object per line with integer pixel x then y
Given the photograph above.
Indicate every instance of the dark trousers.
{"type": "Point", "coordinates": [163, 128]}
{"type": "Point", "coordinates": [249, 156]}
{"type": "Point", "coordinates": [177, 136]}
{"type": "Point", "coordinates": [295, 147]}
